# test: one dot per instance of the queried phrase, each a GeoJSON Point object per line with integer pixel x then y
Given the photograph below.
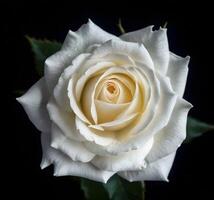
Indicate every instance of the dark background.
{"type": "Point", "coordinates": [190, 33]}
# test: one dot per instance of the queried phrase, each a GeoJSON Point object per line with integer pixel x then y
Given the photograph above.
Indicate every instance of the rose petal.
{"type": "Point", "coordinates": [60, 90]}
{"type": "Point", "coordinates": [135, 51]}
{"type": "Point", "coordinates": [162, 116]}
{"type": "Point", "coordinates": [158, 170]}
{"type": "Point", "coordinates": [34, 102]}
{"type": "Point", "coordinates": [64, 166]}
{"type": "Point", "coordinates": [107, 111]}
{"type": "Point", "coordinates": [135, 105]}
{"type": "Point", "coordinates": [87, 35]}
{"type": "Point", "coordinates": [64, 120]}
{"type": "Point", "coordinates": [93, 136]}
{"type": "Point", "coordinates": [115, 125]}
{"type": "Point", "coordinates": [146, 98]}
{"type": "Point", "coordinates": [55, 65]}
{"type": "Point", "coordinates": [118, 59]}
{"type": "Point", "coordinates": [86, 101]}
{"type": "Point", "coordinates": [85, 170]}
{"type": "Point", "coordinates": [74, 149]}
{"type": "Point", "coordinates": [171, 136]}
{"type": "Point", "coordinates": [73, 102]}
{"type": "Point", "coordinates": [156, 43]}
{"type": "Point", "coordinates": [74, 44]}
{"type": "Point", "coordinates": [142, 101]}
{"type": "Point", "coordinates": [177, 71]}
{"type": "Point", "coordinates": [132, 160]}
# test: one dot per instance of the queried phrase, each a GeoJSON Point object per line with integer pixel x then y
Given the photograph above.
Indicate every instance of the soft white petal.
{"type": "Point", "coordinates": [93, 136]}
{"type": "Point", "coordinates": [171, 136]}
{"type": "Point", "coordinates": [119, 59]}
{"type": "Point", "coordinates": [86, 100]}
{"type": "Point", "coordinates": [34, 102]}
{"type": "Point", "coordinates": [155, 171]}
{"type": "Point", "coordinates": [135, 51]}
{"type": "Point", "coordinates": [64, 120]}
{"type": "Point", "coordinates": [177, 72]}
{"type": "Point", "coordinates": [45, 141]}
{"type": "Point", "coordinates": [73, 102]}
{"type": "Point", "coordinates": [161, 116]}
{"type": "Point", "coordinates": [74, 44]}
{"type": "Point", "coordinates": [61, 88]}
{"type": "Point", "coordinates": [74, 149]}
{"type": "Point", "coordinates": [115, 125]}
{"type": "Point", "coordinates": [135, 105]}
{"type": "Point", "coordinates": [87, 35]}
{"type": "Point", "coordinates": [55, 65]}
{"type": "Point", "coordinates": [132, 160]}
{"type": "Point", "coordinates": [64, 166]}
{"type": "Point", "coordinates": [156, 43]}
{"type": "Point", "coordinates": [85, 170]}
{"type": "Point", "coordinates": [61, 94]}
{"type": "Point", "coordinates": [145, 100]}
{"type": "Point", "coordinates": [107, 111]}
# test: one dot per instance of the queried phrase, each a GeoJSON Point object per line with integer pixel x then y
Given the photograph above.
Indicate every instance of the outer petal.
{"type": "Point", "coordinates": [87, 35]}
{"type": "Point", "coordinates": [74, 44]}
{"type": "Point", "coordinates": [158, 170]}
{"type": "Point", "coordinates": [132, 160]}
{"type": "Point", "coordinates": [74, 149]}
{"type": "Point", "coordinates": [155, 42]}
{"type": "Point", "coordinates": [64, 120]}
{"type": "Point", "coordinates": [170, 138]}
{"type": "Point", "coordinates": [137, 52]}
{"type": "Point", "coordinates": [64, 166]}
{"type": "Point", "coordinates": [34, 102]}
{"type": "Point", "coordinates": [55, 65]}
{"type": "Point", "coordinates": [60, 91]}
{"type": "Point", "coordinates": [177, 71]}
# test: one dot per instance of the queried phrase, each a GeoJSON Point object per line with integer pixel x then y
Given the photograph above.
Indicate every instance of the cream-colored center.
{"type": "Point", "coordinates": [111, 88]}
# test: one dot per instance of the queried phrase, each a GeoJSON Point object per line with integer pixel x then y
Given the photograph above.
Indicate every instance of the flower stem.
{"type": "Point", "coordinates": [165, 24]}
{"type": "Point", "coordinates": [143, 190]}
{"type": "Point", "coordinates": [122, 30]}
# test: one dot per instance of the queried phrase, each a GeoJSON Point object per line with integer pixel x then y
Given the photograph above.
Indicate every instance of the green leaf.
{"type": "Point", "coordinates": [93, 190]}
{"type": "Point", "coordinates": [120, 189]}
{"type": "Point", "coordinates": [18, 93]}
{"type": "Point", "coordinates": [115, 189]}
{"type": "Point", "coordinates": [42, 49]}
{"type": "Point", "coordinates": [196, 128]}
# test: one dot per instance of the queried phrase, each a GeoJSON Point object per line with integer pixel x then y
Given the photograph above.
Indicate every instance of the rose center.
{"type": "Point", "coordinates": [111, 88]}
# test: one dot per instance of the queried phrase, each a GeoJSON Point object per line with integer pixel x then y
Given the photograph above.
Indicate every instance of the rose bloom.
{"type": "Point", "coordinates": [110, 105]}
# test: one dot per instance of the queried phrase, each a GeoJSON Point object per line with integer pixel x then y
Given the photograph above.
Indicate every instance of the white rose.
{"type": "Point", "coordinates": [110, 104]}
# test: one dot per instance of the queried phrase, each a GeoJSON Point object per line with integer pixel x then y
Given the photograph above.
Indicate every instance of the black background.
{"type": "Point", "coordinates": [190, 33]}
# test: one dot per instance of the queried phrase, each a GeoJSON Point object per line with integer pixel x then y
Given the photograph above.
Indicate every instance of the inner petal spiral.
{"type": "Point", "coordinates": [113, 99]}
